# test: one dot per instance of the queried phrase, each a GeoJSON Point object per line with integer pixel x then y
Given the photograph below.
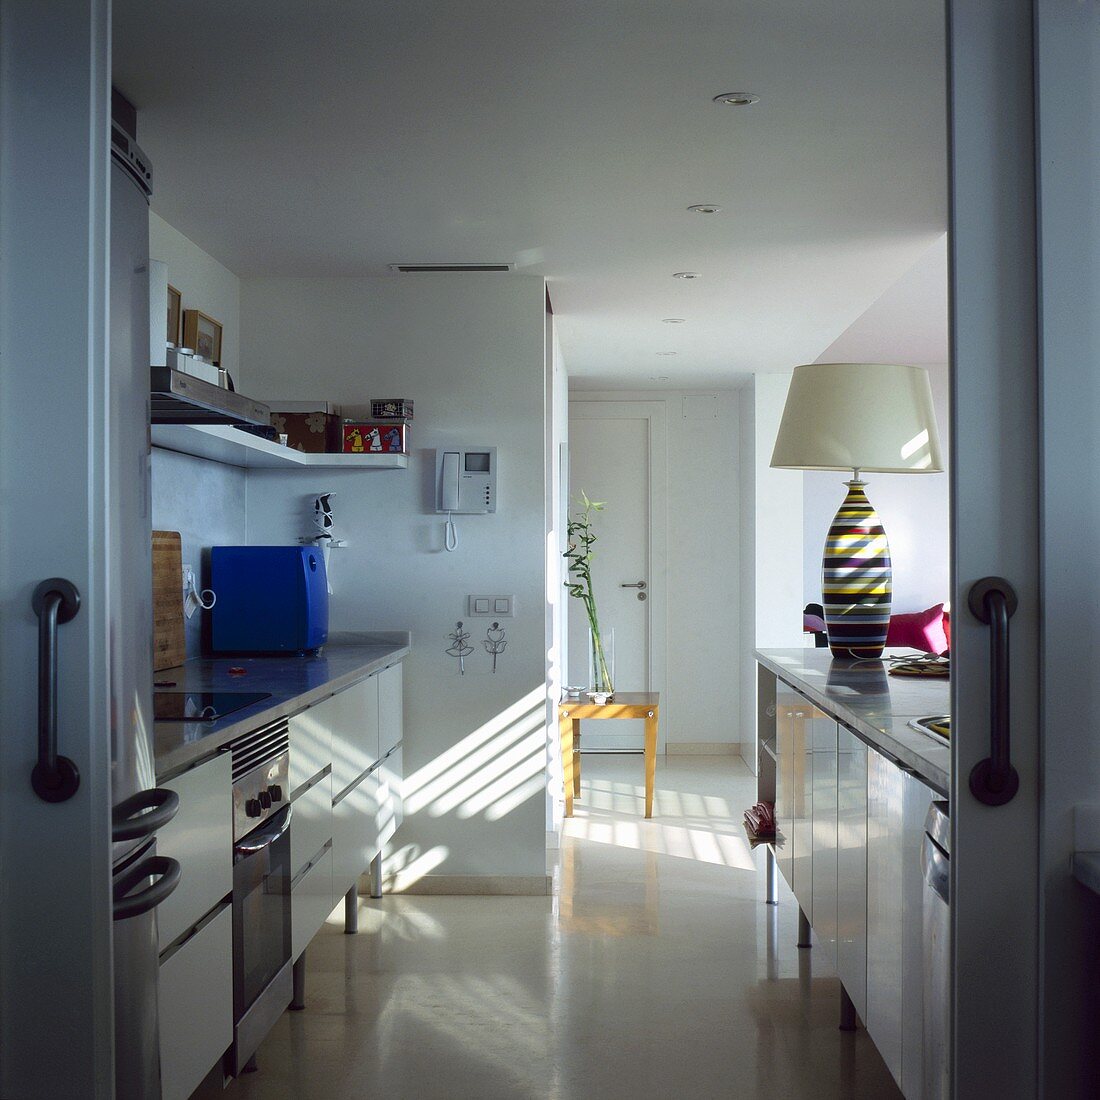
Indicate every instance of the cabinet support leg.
{"type": "Point", "coordinates": [771, 865]}
{"type": "Point", "coordinates": [351, 910]}
{"type": "Point", "coordinates": [848, 1019]}
{"type": "Point", "coordinates": [803, 929]}
{"type": "Point", "coordinates": [376, 876]}
{"type": "Point", "coordinates": [298, 974]}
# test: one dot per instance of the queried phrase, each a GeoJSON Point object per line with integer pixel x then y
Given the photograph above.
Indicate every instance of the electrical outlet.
{"type": "Point", "coordinates": [191, 601]}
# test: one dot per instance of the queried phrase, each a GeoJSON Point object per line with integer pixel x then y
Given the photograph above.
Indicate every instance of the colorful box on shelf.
{"type": "Point", "coordinates": [391, 408]}
{"type": "Point", "coordinates": [363, 437]}
{"type": "Point", "coordinates": [311, 432]}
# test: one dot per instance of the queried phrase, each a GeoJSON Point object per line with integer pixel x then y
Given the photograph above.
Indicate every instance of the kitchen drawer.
{"type": "Point", "coordinates": [355, 832]}
{"type": "Point", "coordinates": [310, 822]}
{"type": "Point", "coordinates": [391, 709]}
{"type": "Point", "coordinates": [195, 995]}
{"type": "Point", "coordinates": [352, 716]}
{"type": "Point", "coordinates": [391, 804]}
{"type": "Point", "coordinates": [311, 901]}
{"type": "Point", "coordinates": [824, 808]}
{"type": "Point", "coordinates": [200, 837]}
{"type": "Point", "coordinates": [310, 745]}
{"type": "Point", "coordinates": [852, 867]}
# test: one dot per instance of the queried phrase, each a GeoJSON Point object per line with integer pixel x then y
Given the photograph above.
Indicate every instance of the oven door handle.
{"type": "Point", "coordinates": [265, 835]}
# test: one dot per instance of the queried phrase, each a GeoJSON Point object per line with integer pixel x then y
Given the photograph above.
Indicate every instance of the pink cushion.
{"type": "Point", "coordinates": [813, 623]}
{"type": "Point", "coordinates": [921, 630]}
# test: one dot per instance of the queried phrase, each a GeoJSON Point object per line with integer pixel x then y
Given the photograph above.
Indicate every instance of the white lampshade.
{"type": "Point", "coordinates": [874, 417]}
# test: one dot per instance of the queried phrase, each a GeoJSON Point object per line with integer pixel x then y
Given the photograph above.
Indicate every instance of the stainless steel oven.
{"type": "Point", "coordinates": [262, 986]}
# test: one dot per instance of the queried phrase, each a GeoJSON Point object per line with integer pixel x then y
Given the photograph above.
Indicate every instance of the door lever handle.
{"type": "Point", "coordinates": [636, 584]}
{"type": "Point", "coordinates": [994, 780]}
{"type": "Point", "coordinates": [55, 778]}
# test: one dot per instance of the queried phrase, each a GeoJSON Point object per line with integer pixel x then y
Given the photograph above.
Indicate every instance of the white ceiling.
{"type": "Point", "coordinates": [339, 136]}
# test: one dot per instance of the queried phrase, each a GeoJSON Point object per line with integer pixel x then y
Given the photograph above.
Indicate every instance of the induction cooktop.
{"type": "Point", "coordinates": [202, 706]}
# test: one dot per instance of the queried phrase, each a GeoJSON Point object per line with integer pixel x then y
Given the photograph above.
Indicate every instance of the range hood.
{"type": "Point", "coordinates": [179, 398]}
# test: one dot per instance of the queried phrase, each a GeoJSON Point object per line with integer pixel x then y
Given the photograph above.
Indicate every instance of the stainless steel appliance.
{"type": "Point", "coordinates": [142, 879]}
{"type": "Point", "coordinates": [180, 398]}
{"type": "Point", "coordinates": [262, 984]}
{"type": "Point", "coordinates": [936, 915]}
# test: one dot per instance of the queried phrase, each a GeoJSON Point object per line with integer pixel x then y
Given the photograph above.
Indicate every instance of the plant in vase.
{"type": "Point", "coordinates": [579, 555]}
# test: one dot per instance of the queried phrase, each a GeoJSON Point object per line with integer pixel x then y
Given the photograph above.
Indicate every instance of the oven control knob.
{"type": "Point", "coordinates": [265, 800]}
{"type": "Point", "coordinates": [276, 792]}
{"type": "Point", "coordinates": [252, 808]}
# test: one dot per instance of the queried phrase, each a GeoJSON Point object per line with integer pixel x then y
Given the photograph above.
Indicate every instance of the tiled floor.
{"type": "Point", "coordinates": [655, 971]}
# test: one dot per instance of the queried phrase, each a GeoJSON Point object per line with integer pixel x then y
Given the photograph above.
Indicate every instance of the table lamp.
{"type": "Point", "coordinates": [867, 418]}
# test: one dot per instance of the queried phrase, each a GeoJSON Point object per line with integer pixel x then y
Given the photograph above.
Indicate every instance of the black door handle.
{"type": "Point", "coordinates": [142, 814]}
{"type": "Point", "coordinates": [54, 778]}
{"type": "Point", "coordinates": [126, 904]}
{"type": "Point", "coordinates": [994, 780]}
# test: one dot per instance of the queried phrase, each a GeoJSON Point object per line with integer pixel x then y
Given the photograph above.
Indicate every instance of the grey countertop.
{"type": "Point", "coordinates": [878, 706]}
{"type": "Point", "coordinates": [294, 683]}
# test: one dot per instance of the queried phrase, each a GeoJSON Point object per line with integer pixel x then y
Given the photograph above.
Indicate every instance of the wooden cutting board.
{"type": "Point", "coordinates": [168, 644]}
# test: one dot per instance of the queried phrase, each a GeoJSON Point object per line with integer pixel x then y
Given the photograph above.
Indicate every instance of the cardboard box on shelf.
{"type": "Point", "coordinates": [312, 432]}
{"type": "Point", "coordinates": [362, 437]}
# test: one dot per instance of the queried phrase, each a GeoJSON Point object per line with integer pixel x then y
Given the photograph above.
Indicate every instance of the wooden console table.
{"type": "Point", "coordinates": [623, 704]}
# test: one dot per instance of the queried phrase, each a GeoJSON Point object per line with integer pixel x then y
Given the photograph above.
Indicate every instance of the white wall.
{"type": "Point", "coordinates": [771, 573]}
{"type": "Point", "coordinates": [557, 442]}
{"type": "Point", "coordinates": [470, 350]}
{"type": "Point", "coordinates": [202, 500]}
{"type": "Point", "coordinates": [203, 284]}
{"type": "Point", "coordinates": [908, 324]}
{"type": "Point", "coordinates": [700, 696]}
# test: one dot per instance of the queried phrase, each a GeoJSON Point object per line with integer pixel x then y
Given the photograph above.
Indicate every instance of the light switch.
{"type": "Point", "coordinates": [495, 607]}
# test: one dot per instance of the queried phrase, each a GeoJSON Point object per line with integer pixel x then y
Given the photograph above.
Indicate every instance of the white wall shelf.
{"type": "Point", "coordinates": [226, 444]}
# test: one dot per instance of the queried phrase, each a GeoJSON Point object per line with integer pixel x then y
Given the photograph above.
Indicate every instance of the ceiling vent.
{"type": "Point", "coordinates": [414, 269]}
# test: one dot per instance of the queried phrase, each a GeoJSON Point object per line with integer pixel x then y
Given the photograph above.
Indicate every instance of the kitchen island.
{"type": "Point", "coordinates": [877, 706]}
{"type": "Point", "coordinates": [853, 785]}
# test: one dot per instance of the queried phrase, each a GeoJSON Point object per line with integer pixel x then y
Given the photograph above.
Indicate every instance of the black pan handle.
{"type": "Point", "coordinates": [142, 814]}
{"type": "Point", "coordinates": [167, 872]}
{"type": "Point", "coordinates": [54, 778]}
{"type": "Point", "coordinates": [994, 781]}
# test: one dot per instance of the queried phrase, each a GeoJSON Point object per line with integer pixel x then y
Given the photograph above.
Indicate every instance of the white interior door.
{"type": "Point", "coordinates": [611, 459]}
{"type": "Point", "coordinates": [55, 934]}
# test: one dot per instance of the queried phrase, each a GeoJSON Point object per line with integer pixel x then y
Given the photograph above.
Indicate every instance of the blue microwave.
{"type": "Point", "coordinates": [270, 599]}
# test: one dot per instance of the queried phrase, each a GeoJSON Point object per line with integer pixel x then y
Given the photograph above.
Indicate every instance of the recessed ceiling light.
{"type": "Point", "coordinates": [686, 275]}
{"type": "Point", "coordinates": [666, 353]}
{"type": "Point", "coordinates": [673, 320]}
{"type": "Point", "coordinates": [704, 208]}
{"type": "Point", "coordinates": [737, 99]}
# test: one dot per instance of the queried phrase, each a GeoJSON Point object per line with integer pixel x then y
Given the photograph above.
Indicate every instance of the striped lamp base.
{"type": "Point", "coordinates": [856, 582]}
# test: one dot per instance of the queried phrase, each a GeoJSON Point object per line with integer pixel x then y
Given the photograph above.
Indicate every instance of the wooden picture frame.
{"type": "Point", "coordinates": [203, 335]}
{"type": "Point", "coordinates": [175, 301]}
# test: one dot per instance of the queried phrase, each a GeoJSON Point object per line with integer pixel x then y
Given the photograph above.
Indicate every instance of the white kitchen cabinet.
{"type": "Point", "coordinates": [352, 718]}
{"type": "Point", "coordinates": [355, 837]}
{"type": "Point", "coordinates": [311, 899]}
{"type": "Point", "coordinates": [917, 798]}
{"type": "Point", "coordinates": [200, 837]}
{"type": "Point", "coordinates": [824, 837]}
{"type": "Point", "coordinates": [311, 821]}
{"type": "Point", "coordinates": [789, 715]}
{"type": "Point", "coordinates": [391, 709]}
{"type": "Point", "coordinates": [195, 995]}
{"type": "Point", "coordinates": [310, 745]}
{"type": "Point", "coordinates": [851, 832]}
{"type": "Point", "coordinates": [885, 907]}
{"type": "Point", "coordinates": [802, 787]}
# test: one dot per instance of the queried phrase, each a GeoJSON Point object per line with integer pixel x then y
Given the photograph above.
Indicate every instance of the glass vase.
{"type": "Point", "coordinates": [601, 675]}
